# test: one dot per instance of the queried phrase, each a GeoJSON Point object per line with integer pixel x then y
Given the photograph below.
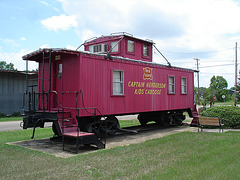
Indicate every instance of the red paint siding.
{"type": "Point", "coordinates": [146, 86]}
{"type": "Point", "coordinates": [92, 75]}
{"type": "Point", "coordinates": [123, 45]}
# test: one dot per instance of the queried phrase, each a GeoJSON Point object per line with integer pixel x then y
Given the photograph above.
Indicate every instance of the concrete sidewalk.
{"type": "Point", "coordinates": [10, 126]}
{"type": "Point", "coordinates": [15, 125]}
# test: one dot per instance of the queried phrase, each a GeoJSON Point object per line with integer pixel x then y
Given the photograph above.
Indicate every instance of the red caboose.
{"type": "Point", "coordinates": [114, 76]}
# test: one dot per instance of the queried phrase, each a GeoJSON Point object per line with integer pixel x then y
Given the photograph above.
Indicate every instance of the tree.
{"type": "Point", "coordinates": [208, 97]}
{"type": "Point", "coordinates": [218, 87]}
{"type": "Point", "coordinates": [5, 66]}
{"type": "Point", "coordinates": [237, 91]}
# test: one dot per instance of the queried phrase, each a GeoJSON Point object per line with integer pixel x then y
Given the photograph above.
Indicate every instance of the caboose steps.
{"type": "Point", "coordinates": [69, 129]}
{"type": "Point", "coordinates": [195, 116]}
{"type": "Point", "coordinates": [82, 138]}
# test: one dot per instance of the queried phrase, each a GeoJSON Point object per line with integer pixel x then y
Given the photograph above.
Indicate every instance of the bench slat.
{"type": "Point", "coordinates": [210, 121]}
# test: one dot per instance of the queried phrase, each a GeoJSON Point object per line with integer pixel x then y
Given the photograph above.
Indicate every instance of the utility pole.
{"type": "Point", "coordinates": [198, 78]}
{"type": "Point", "coordinates": [235, 96]}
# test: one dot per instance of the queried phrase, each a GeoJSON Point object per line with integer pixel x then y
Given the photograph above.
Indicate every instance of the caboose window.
{"type": "Point", "coordinates": [146, 50]}
{"type": "Point", "coordinates": [114, 46]}
{"type": "Point", "coordinates": [90, 48]}
{"type": "Point", "coordinates": [171, 84]}
{"type": "Point", "coordinates": [118, 83]}
{"type": "Point", "coordinates": [130, 46]}
{"type": "Point", "coordinates": [59, 70]}
{"type": "Point", "coordinates": [184, 85]}
{"type": "Point", "coordinates": [99, 48]}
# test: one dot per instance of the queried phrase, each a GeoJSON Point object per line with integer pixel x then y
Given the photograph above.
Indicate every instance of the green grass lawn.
{"type": "Point", "coordinates": [227, 103]}
{"type": "Point", "coordinates": [3, 119]}
{"type": "Point", "coordinates": [127, 123]}
{"type": "Point", "coordinates": [185, 155]}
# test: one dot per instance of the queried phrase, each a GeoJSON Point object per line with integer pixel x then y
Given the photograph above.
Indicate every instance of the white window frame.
{"type": "Point", "coordinates": [146, 49]}
{"type": "Point", "coordinates": [115, 45]}
{"type": "Point", "coordinates": [117, 83]}
{"type": "Point", "coordinates": [171, 85]}
{"type": "Point", "coordinates": [130, 46]}
{"type": "Point", "coordinates": [184, 85]}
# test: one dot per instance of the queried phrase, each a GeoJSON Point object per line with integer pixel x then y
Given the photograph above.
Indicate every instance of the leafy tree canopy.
{"type": "Point", "coordinates": [218, 87]}
{"type": "Point", "coordinates": [218, 83]}
{"type": "Point", "coordinates": [5, 66]}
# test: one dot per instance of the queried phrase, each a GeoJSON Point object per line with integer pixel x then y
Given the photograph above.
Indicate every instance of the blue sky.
{"type": "Point", "coordinates": [181, 29]}
{"type": "Point", "coordinates": [21, 26]}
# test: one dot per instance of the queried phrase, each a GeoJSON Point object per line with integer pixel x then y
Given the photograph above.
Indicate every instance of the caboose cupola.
{"type": "Point", "coordinates": [121, 44]}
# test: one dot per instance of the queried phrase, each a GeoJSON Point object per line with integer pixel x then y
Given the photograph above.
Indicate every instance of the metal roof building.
{"type": "Point", "coordinates": [12, 88]}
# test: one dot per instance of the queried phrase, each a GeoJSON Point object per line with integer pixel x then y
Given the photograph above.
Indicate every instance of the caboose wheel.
{"type": "Point", "coordinates": [165, 120]}
{"type": "Point", "coordinates": [93, 127]}
{"type": "Point", "coordinates": [179, 118]}
{"type": "Point", "coordinates": [112, 125]}
{"type": "Point", "coordinates": [56, 130]}
{"type": "Point", "coordinates": [142, 121]}
{"type": "Point", "coordinates": [109, 126]}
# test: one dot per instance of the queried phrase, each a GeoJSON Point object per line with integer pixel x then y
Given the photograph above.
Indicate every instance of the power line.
{"type": "Point", "coordinates": [206, 52]}
{"type": "Point", "coordinates": [189, 61]}
{"type": "Point", "coordinates": [222, 60]}
{"type": "Point", "coordinates": [216, 73]}
{"type": "Point", "coordinates": [217, 65]}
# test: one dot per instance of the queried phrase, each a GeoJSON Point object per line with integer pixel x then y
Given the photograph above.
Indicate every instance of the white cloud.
{"type": "Point", "coordinates": [23, 39]}
{"type": "Point", "coordinates": [70, 47]}
{"type": "Point", "coordinates": [44, 46]}
{"type": "Point", "coordinates": [10, 42]}
{"type": "Point", "coordinates": [61, 22]}
{"type": "Point", "coordinates": [185, 26]}
{"type": "Point", "coordinates": [45, 3]}
{"type": "Point", "coordinates": [16, 59]}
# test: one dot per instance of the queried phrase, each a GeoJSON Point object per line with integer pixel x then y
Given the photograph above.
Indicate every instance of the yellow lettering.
{"type": "Point", "coordinates": [139, 91]}
{"type": "Point", "coordinates": [153, 91]}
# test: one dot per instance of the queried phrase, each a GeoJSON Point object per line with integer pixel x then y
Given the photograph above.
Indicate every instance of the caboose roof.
{"type": "Point", "coordinates": [36, 55]}
{"type": "Point", "coordinates": [117, 35]}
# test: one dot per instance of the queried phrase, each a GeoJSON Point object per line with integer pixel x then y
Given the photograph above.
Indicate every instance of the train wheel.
{"type": "Point", "coordinates": [165, 120]}
{"type": "Point", "coordinates": [101, 128]}
{"type": "Point", "coordinates": [93, 127]}
{"type": "Point", "coordinates": [179, 118]}
{"type": "Point", "coordinates": [112, 125]}
{"type": "Point", "coordinates": [142, 121]}
{"type": "Point", "coordinates": [56, 129]}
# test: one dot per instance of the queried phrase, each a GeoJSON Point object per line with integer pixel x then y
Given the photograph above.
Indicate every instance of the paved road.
{"type": "Point", "coordinates": [10, 126]}
{"type": "Point", "coordinates": [15, 125]}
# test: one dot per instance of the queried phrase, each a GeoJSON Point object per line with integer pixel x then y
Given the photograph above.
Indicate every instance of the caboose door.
{"type": "Point", "coordinates": [59, 81]}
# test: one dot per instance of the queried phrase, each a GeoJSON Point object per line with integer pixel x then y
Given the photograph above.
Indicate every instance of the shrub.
{"type": "Point", "coordinates": [230, 115]}
{"type": "Point", "coordinates": [2, 115]}
{"type": "Point", "coordinates": [16, 114]}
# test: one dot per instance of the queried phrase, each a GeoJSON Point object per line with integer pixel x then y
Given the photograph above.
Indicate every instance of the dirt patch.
{"type": "Point", "coordinates": [54, 147]}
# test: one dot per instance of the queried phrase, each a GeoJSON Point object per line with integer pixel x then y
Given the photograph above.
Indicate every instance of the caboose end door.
{"type": "Point", "coordinates": [58, 82]}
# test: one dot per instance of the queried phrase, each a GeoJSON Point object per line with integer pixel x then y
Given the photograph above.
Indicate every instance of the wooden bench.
{"type": "Point", "coordinates": [210, 121]}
